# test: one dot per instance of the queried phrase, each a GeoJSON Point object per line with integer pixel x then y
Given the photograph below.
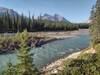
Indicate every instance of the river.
{"type": "Point", "coordinates": [51, 51]}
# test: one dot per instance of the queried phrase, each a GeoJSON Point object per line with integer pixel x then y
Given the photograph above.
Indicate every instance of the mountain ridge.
{"type": "Point", "coordinates": [55, 17]}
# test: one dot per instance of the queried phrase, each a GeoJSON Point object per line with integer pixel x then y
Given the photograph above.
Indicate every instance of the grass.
{"type": "Point", "coordinates": [85, 64]}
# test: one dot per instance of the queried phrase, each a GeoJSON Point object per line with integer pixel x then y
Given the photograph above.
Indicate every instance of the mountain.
{"type": "Point", "coordinates": [55, 17]}
{"type": "Point", "coordinates": [46, 16]}
{"type": "Point", "coordinates": [10, 11]}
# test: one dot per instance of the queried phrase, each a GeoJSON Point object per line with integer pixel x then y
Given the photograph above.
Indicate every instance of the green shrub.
{"type": "Point", "coordinates": [86, 64]}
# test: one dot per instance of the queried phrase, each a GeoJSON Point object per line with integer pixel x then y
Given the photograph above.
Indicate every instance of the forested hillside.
{"type": "Point", "coordinates": [11, 22]}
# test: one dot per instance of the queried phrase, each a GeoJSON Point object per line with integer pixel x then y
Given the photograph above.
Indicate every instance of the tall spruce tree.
{"type": "Point", "coordinates": [26, 66]}
{"type": "Point", "coordinates": [29, 24]}
{"type": "Point", "coordinates": [95, 25]}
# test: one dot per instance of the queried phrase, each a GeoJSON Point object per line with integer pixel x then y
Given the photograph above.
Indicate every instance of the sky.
{"type": "Point", "coordinates": [72, 10]}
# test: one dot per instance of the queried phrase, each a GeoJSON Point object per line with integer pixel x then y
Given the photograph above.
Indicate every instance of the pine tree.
{"type": "Point", "coordinates": [18, 22]}
{"type": "Point", "coordinates": [26, 66]}
{"type": "Point", "coordinates": [29, 23]}
{"type": "Point", "coordinates": [92, 25]}
{"type": "Point", "coordinates": [95, 26]}
{"type": "Point", "coordinates": [92, 12]}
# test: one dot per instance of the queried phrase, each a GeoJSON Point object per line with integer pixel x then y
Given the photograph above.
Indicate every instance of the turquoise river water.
{"type": "Point", "coordinates": [51, 51]}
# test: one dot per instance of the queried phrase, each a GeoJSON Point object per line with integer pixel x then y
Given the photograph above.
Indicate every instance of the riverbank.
{"type": "Point", "coordinates": [61, 34]}
{"type": "Point", "coordinates": [9, 45]}
{"type": "Point", "coordinates": [9, 42]}
{"type": "Point", "coordinates": [58, 65]}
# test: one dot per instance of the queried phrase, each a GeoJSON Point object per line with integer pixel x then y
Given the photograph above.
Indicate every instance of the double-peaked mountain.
{"type": "Point", "coordinates": [55, 17]}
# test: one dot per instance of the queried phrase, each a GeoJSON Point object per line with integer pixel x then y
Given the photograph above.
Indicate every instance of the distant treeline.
{"type": "Point", "coordinates": [15, 23]}
{"type": "Point", "coordinates": [82, 25]}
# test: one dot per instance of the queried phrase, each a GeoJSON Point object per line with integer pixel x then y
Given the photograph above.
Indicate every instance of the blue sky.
{"type": "Point", "coordinates": [73, 10]}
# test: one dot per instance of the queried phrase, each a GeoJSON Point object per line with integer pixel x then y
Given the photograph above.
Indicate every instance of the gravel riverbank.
{"type": "Point", "coordinates": [56, 66]}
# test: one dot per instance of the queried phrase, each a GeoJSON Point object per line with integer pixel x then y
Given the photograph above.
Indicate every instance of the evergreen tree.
{"type": "Point", "coordinates": [29, 23]}
{"type": "Point", "coordinates": [95, 26]}
{"type": "Point", "coordinates": [26, 66]}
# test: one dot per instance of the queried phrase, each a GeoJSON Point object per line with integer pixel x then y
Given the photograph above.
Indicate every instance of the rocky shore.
{"type": "Point", "coordinates": [58, 65]}
{"type": "Point", "coordinates": [37, 40]}
{"type": "Point", "coordinates": [61, 34]}
{"type": "Point", "coordinates": [10, 46]}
